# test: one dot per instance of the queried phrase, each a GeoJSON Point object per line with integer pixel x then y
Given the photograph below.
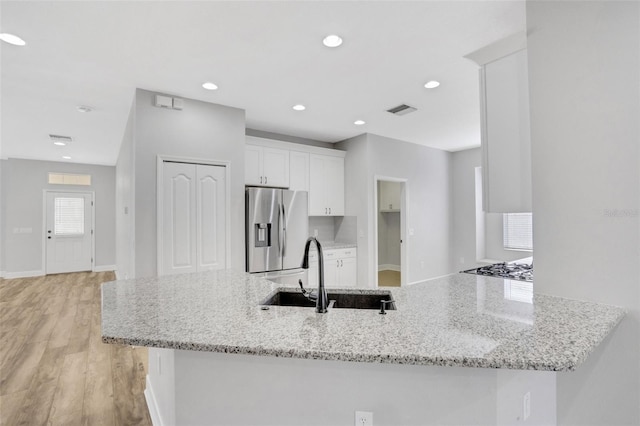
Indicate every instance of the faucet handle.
{"type": "Point", "coordinates": [383, 304]}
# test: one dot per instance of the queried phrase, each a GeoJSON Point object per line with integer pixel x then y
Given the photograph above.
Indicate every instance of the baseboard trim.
{"type": "Point", "coordinates": [23, 274]}
{"type": "Point", "coordinates": [152, 404]}
{"type": "Point", "coordinates": [389, 267]}
{"type": "Point", "coordinates": [104, 268]}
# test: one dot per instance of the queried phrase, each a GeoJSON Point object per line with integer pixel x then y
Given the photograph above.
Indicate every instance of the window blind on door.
{"type": "Point", "coordinates": [517, 231]}
{"type": "Point", "coordinates": [68, 216]}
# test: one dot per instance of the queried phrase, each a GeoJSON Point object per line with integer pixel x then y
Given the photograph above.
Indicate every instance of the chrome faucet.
{"type": "Point", "coordinates": [321, 296]}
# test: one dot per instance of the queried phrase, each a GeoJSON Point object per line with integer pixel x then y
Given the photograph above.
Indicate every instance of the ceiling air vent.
{"type": "Point", "coordinates": [58, 138]}
{"type": "Point", "coordinates": [401, 109]}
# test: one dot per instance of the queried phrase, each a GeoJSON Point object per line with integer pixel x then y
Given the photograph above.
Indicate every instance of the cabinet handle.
{"type": "Point", "coordinates": [329, 210]}
{"type": "Point", "coordinates": [390, 206]}
{"type": "Point", "coordinates": [341, 263]}
{"type": "Point", "coordinates": [260, 180]}
{"type": "Point", "coordinates": [325, 211]}
{"type": "Point", "coordinates": [337, 263]}
{"type": "Point", "coordinates": [265, 180]}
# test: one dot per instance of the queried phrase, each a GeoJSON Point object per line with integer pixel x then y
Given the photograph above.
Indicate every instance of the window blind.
{"type": "Point", "coordinates": [68, 216]}
{"type": "Point", "coordinates": [517, 231]}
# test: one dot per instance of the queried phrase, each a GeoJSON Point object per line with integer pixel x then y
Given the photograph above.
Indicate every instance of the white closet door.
{"type": "Point", "coordinates": [211, 216]}
{"type": "Point", "coordinates": [179, 218]}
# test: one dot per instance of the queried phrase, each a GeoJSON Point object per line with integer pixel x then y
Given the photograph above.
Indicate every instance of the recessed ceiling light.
{"type": "Point", "coordinates": [59, 143]}
{"type": "Point", "coordinates": [84, 108]}
{"type": "Point", "coordinates": [210, 86]}
{"type": "Point", "coordinates": [299, 107]}
{"type": "Point", "coordinates": [432, 84]}
{"type": "Point", "coordinates": [332, 41]}
{"type": "Point", "coordinates": [66, 157]}
{"type": "Point", "coordinates": [359, 122]}
{"type": "Point", "coordinates": [12, 39]}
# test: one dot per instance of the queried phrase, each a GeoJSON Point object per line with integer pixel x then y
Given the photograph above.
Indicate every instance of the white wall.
{"type": "Point", "coordinates": [428, 175]}
{"type": "Point", "coordinates": [201, 130]}
{"type": "Point", "coordinates": [125, 202]}
{"type": "Point", "coordinates": [24, 182]}
{"type": "Point", "coordinates": [464, 251]}
{"type": "Point", "coordinates": [584, 76]}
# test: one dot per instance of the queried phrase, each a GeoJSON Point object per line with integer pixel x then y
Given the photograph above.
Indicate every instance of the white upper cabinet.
{"type": "Point", "coordinates": [326, 185]}
{"type": "Point", "coordinates": [266, 166]}
{"type": "Point", "coordinates": [506, 135]}
{"type": "Point", "coordinates": [389, 196]}
{"type": "Point", "coordinates": [298, 171]}
{"type": "Point", "coordinates": [298, 167]}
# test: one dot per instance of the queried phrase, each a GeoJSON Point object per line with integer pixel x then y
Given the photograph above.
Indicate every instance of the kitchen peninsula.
{"type": "Point", "coordinates": [217, 357]}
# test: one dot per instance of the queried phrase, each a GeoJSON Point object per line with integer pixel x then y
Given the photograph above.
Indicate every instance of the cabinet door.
{"type": "Point", "coordinates": [253, 165]}
{"type": "Point", "coordinates": [298, 171]}
{"type": "Point", "coordinates": [317, 186]}
{"type": "Point", "coordinates": [275, 166]}
{"type": "Point", "coordinates": [312, 275]}
{"type": "Point", "coordinates": [506, 139]}
{"type": "Point", "coordinates": [389, 196]}
{"type": "Point", "coordinates": [334, 169]}
{"type": "Point", "coordinates": [348, 272]}
{"type": "Point", "coordinates": [331, 267]}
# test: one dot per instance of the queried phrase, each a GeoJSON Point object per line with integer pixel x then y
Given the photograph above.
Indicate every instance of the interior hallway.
{"type": "Point", "coordinates": [54, 368]}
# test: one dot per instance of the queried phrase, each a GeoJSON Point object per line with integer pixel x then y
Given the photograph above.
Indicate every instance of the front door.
{"type": "Point", "coordinates": [69, 232]}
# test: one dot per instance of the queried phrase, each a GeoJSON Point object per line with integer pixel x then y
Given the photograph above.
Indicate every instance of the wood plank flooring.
{"type": "Point", "coordinates": [54, 368]}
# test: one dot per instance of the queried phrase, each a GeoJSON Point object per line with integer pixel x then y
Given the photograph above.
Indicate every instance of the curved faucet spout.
{"type": "Point", "coordinates": [322, 301]}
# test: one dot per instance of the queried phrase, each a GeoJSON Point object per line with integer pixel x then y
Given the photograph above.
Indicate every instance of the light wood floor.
{"type": "Point", "coordinates": [54, 368]}
{"type": "Point", "coordinates": [388, 278]}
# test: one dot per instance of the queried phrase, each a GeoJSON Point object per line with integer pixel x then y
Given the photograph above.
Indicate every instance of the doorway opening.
{"type": "Point", "coordinates": [69, 219]}
{"type": "Point", "coordinates": [390, 219]}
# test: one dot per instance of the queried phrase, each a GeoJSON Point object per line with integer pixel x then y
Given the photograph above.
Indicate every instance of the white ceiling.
{"type": "Point", "coordinates": [264, 56]}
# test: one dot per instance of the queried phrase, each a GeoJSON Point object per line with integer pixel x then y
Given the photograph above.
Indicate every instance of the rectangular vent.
{"type": "Point", "coordinates": [402, 109]}
{"type": "Point", "coordinates": [59, 138]}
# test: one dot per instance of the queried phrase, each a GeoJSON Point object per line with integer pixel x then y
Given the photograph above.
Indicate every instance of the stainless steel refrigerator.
{"type": "Point", "coordinates": [277, 228]}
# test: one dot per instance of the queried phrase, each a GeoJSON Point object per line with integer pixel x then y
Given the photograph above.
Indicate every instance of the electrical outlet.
{"type": "Point", "coordinates": [363, 418]}
{"type": "Point", "coordinates": [526, 406]}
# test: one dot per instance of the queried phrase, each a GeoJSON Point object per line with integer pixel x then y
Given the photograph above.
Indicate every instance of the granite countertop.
{"type": "Point", "coordinates": [459, 320]}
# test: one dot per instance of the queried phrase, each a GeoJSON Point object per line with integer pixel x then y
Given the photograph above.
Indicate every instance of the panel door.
{"type": "Point", "coordinates": [252, 165]}
{"type": "Point", "coordinates": [69, 232]}
{"type": "Point", "coordinates": [179, 218]}
{"type": "Point", "coordinates": [211, 229]}
{"type": "Point", "coordinates": [275, 166]}
{"type": "Point", "coordinates": [334, 170]}
{"type": "Point", "coordinates": [317, 186]}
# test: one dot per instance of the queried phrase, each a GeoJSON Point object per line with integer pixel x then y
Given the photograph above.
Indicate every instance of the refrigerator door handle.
{"type": "Point", "coordinates": [284, 231]}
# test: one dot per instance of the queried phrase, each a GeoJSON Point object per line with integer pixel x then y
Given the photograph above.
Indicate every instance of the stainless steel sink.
{"type": "Point", "coordinates": [343, 299]}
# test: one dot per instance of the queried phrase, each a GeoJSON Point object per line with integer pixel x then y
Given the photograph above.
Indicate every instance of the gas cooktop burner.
{"type": "Point", "coordinates": [514, 271]}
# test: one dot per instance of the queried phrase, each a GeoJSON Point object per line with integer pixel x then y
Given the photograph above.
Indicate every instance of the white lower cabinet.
{"type": "Point", "coordinates": [340, 268]}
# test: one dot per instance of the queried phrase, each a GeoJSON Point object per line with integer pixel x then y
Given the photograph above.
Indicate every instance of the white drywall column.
{"type": "Point", "coordinates": [584, 76]}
